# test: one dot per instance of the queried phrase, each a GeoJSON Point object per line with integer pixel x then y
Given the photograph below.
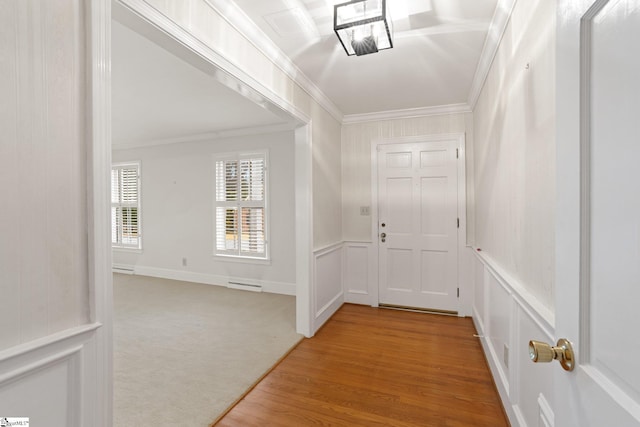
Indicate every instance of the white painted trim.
{"type": "Point", "coordinates": [540, 314]}
{"type": "Point", "coordinates": [499, 22]}
{"type": "Point", "coordinates": [63, 338]}
{"type": "Point", "coordinates": [210, 136]}
{"type": "Point", "coordinates": [147, 20]}
{"type": "Point", "coordinates": [323, 250]}
{"type": "Point", "coordinates": [327, 311]}
{"type": "Point", "coordinates": [500, 382]}
{"type": "Point", "coordinates": [122, 268]}
{"type": "Point", "coordinates": [520, 307]}
{"type": "Point", "coordinates": [76, 347]}
{"type": "Point", "coordinates": [252, 33]}
{"type": "Point", "coordinates": [545, 412]}
{"type": "Point", "coordinates": [305, 278]}
{"type": "Point", "coordinates": [97, 396]}
{"type": "Point", "coordinates": [406, 113]}
{"type": "Point", "coordinates": [214, 279]}
{"type": "Point", "coordinates": [465, 288]}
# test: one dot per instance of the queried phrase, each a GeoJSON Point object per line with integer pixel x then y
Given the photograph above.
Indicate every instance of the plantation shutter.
{"type": "Point", "coordinates": [125, 206]}
{"type": "Point", "coordinates": [240, 206]}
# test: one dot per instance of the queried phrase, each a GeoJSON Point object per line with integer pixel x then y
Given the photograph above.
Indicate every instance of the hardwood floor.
{"type": "Point", "coordinates": [378, 367]}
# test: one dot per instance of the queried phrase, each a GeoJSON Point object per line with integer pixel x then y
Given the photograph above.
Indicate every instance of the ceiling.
{"type": "Point", "coordinates": [158, 97]}
{"type": "Point", "coordinates": [161, 95]}
{"type": "Point", "coordinates": [437, 47]}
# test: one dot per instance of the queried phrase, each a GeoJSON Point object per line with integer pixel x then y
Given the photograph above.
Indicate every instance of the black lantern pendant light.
{"type": "Point", "coordinates": [363, 26]}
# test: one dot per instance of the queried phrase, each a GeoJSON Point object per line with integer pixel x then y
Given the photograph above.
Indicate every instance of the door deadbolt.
{"type": "Point", "coordinates": [541, 352]}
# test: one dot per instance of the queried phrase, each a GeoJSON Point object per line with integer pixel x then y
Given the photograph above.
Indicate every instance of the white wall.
{"type": "Point", "coordinates": [514, 152]}
{"type": "Point", "coordinates": [177, 190]}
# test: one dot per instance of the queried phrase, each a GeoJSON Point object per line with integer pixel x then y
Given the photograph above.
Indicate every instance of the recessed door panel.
{"type": "Point", "coordinates": [433, 205]}
{"type": "Point", "coordinates": [399, 191]}
{"type": "Point", "coordinates": [399, 275]}
{"type": "Point", "coordinates": [399, 160]}
{"type": "Point", "coordinates": [433, 277]}
{"type": "Point", "coordinates": [433, 158]}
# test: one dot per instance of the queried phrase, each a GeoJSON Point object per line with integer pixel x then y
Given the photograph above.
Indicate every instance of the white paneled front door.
{"type": "Point", "coordinates": [598, 246]}
{"type": "Point", "coordinates": [417, 224]}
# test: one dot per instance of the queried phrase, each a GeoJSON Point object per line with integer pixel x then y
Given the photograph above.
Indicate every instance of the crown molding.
{"type": "Point", "coordinates": [209, 136]}
{"type": "Point", "coordinates": [407, 113]}
{"type": "Point", "coordinates": [236, 17]}
{"type": "Point", "coordinates": [499, 22]}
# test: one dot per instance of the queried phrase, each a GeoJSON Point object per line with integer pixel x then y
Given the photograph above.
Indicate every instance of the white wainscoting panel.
{"type": "Point", "coordinates": [47, 380]}
{"type": "Point", "coordinates": [328, 292]}
{"type": "Point", "coordinates": [479, 301]}
{"type": "Point", "coordinates": [357, 275]}
{"type": "Point", "coordinates": [506, 315]}
{"type": "Point", "coordinates": [499, 317]}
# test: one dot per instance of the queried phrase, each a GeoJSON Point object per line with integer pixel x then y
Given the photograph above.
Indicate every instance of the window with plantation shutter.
{"type": "Point", "coordinates": [125, 206]}
{"type": "Point", "coordinates": [240, 205]}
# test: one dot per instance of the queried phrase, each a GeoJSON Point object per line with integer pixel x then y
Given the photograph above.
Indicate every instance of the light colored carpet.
{"type": "Point", "coordinates": [184, 352]}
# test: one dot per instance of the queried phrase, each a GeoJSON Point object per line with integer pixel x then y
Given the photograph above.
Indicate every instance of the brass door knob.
{"type": "Point", "coordinates": [541, 352]}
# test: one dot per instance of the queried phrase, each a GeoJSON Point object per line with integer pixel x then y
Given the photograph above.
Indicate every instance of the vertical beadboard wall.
{"type": "Point", "coordinates": [514, 151]}
{"type": "Point", "coordinates": [48, 347]}
{"type": "Point", "coordinates": [43, 221]}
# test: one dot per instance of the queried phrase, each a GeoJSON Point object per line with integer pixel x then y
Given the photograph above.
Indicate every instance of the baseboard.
{"type": "Point", "coordinates": [498, 377]}
{"type": "Point", "coordinates": [327, 311]}
{"type": "Point", "coordinates": [216, 280]}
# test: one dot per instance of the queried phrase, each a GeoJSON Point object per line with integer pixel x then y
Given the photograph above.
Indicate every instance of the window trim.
{"type": "Point", "coordinates": [131, 249]}
{"type": "Point", "coordinates": [243, 258]}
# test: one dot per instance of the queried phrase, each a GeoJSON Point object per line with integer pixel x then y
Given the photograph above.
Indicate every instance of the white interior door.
{"type": "Point", "coordinates": [417, 225]}
{"type": "Point", "coordinates": [598, 263]}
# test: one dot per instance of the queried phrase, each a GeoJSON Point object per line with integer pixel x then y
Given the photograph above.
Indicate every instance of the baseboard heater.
{"type": "Point", "coordinates": [122, 269]}
{"type": "Point", "coordinates": [244, 286]}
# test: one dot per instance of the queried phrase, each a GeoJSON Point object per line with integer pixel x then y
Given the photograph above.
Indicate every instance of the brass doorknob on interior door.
{"type": "Point", "coordinates": [383, 237]}
{"type": "Point", "coordinates": [541, 352]}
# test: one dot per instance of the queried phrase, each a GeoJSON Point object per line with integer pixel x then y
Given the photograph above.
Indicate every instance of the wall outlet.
{"type": "Point", "coordinates": [364, 210]}
{"type": "Point", "coordinates": [506, 355]}
{"type": "Point", "coordinates": [184, 262]}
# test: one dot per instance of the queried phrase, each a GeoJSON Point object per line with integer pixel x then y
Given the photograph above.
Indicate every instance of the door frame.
{"type": "Point", "coordinates": [464, 301]}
